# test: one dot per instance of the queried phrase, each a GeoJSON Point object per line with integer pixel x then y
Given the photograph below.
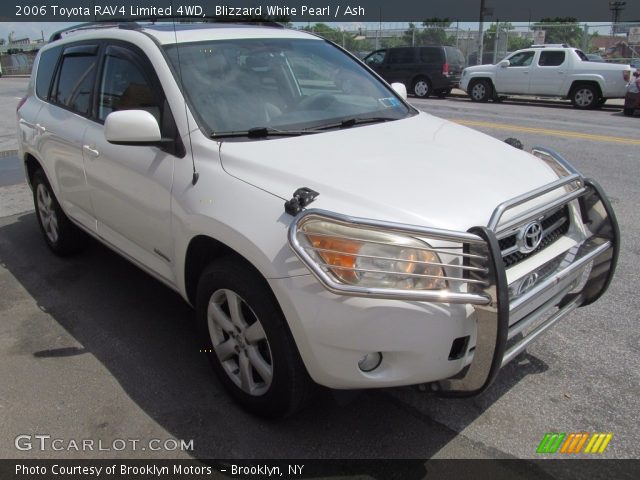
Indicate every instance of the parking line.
{"type": "Point", "coordinates": [547, 131]}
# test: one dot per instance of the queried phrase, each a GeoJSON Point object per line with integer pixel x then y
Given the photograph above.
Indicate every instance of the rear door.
{"type": "Point", "coordinates": [131, 185]}
{"type": "Point", "coordinates": [62, 123]}
{"type": "Point", "coordinates": [550, 75]}
{"type": "Point", "coordinates": [431, 66]}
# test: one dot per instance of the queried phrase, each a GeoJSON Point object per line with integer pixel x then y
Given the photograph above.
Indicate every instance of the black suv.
{"type": "Point", "coordinates": [433, 69]}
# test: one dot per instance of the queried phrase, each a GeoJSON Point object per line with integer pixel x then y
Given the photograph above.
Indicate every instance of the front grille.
{"type": "Point", "coordinates": [554, 225]}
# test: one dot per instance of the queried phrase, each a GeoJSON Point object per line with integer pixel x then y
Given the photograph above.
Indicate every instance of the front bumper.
{"type": "Point", "coordinates": [505, 318]}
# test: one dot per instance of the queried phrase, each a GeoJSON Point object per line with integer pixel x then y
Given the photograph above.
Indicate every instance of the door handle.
{"type": "Point", "coordinates": [91, 150]}
{"type": "Point", "coordinates": [40, 128]}
{"type": "Point", "coordinates": [526, 72]}
{"type": "Point", "coordinates": [560, 72]}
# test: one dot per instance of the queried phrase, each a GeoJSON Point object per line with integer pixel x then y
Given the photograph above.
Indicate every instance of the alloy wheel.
{"type": "Point", "coordinates": [47, 213]}
{"type": "Point", "coordinates": [240, 342]}
{"type": "Point", "coordinates": [421, 88]}
{"type": "Point", "coordinates": [584, 97]}
{"type": "Point", "coordinates": [479, 91]}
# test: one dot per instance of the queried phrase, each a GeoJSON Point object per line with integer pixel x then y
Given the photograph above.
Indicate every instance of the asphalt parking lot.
{"type": "Point", "coordinates": [91, 347]}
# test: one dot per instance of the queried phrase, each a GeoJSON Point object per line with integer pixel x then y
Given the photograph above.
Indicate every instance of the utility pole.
{"type": "Point", "coordinates": [480, 33]}
{"type": "Point", "coordinates": [616, 7]}
{"type": "Point", "coordinates": [495, 41]}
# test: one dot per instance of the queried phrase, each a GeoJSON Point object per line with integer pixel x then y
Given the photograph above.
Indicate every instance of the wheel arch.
{"type": "Point", "coordinates": [31, 166]}
{"type": "Point", "coordinates": [473, 80]}
{"type": "Point", "coordinates": [589, 81]}
{"type": "Point", "coordinates": [201, 252]}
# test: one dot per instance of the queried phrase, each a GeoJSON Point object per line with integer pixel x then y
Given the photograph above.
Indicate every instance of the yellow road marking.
{"type": "Point", "coordinates": [548, 131]}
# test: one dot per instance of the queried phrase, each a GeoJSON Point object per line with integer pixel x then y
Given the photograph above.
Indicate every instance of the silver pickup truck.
{"type": "Point", "coordinates": [548, 71]}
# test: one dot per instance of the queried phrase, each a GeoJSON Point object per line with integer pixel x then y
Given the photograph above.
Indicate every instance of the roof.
{"type": "Point", "coordinates": [170, 32]}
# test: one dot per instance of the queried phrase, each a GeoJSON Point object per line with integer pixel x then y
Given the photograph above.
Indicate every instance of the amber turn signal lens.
{"type": "Point", "coordinates": [335, 252]}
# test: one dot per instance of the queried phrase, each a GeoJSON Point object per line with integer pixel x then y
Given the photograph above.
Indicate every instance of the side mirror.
{"type": "Point", "coordinates": [132, 127]}
{"type": "Point", "coordinates": [400, 89]}
{"type": "Point", "coordinates": [504, 63]}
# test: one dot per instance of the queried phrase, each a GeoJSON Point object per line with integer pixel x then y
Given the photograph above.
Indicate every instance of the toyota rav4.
{"type": "Point", "coordinates": [324, 230]}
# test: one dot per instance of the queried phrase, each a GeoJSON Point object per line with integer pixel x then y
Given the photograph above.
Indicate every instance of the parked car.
{"type": "Point", "coordinates": [548, 71]}
{"type": "Point", "coordinates": [424, 71]}
{"type": "Point", "coordinates": [324, 230]}
{"type": "Point", "coordinates": [632, 98]}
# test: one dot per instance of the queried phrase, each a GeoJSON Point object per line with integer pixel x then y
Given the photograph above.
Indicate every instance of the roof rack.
{"type": "Point", "coordinates": [134, 25]}
{"type": "Point", "coordinates": [551, 45]}
{"type": "Point", "coordinates": [87, 26]}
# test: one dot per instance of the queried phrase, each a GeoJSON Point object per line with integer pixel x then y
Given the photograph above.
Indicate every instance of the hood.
{"type": "Point", "coordinates": [421, 170]}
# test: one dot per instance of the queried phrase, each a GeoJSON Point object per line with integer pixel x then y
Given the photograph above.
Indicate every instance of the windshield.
{"type": "Point", "coordinates": [278, 84]}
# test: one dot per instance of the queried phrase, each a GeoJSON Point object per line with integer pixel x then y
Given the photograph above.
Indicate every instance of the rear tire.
{"type": "Point", "coordinates": [246, 338]}
{"type": "Point", "coordinates": [480, 91]}
{"type": "Point", "coordinates": [628, 112]}
{"type": "Point", "coordinates": [60, 234]}
{"type": "Point", "coordinates": [422, 87]}
{"type": "Point", "coordinates": [443, 93]}
{"type": "Point", "coordinates": [585, 96]}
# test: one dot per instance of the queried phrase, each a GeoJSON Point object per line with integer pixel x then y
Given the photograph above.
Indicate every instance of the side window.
{"type": "Point", "coordinates": [74, 86]}
{"type": "Point", "coordinates": [376, 58]}
{"type": "Point", "coordinates": [123, 86]}
{"type": "Point", "coordinates": [522, 59]}
{"type": "Point", "coordinates": [551, 59]}
{"type": "Point", "coordinates": [401, 55]}
{"type": "Point", "coordinates": [430, 55]}
{"type": "Point", "coordinates": [46, 68]}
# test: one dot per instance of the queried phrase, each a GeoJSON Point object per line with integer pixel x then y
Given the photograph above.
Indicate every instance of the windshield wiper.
{"type": "Point", "coordinates": [350, 122]}
{"type": "Point", "coordinates": [260, 132]}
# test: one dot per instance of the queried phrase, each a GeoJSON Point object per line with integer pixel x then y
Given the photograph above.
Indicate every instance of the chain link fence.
{"type": "Point", "coordinates": [607, 42]}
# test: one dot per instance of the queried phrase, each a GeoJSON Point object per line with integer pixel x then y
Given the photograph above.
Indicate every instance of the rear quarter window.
{"type": "Point", "coordinates": [454, 55]}
{"type": "Point", "coordinates": [431, 55]}
{"type": "Point", "coordinates": [46, 68]}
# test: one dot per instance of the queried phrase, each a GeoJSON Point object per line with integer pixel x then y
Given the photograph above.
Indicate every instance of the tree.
{"type": "Point", "coordinates": [561, 30]}
{"type": "Point", "coordinates": [433, 33]}
{"type": "Point", "coordinates": [347, 40]}
{"type": "Point", "coordinates": [515, 42]}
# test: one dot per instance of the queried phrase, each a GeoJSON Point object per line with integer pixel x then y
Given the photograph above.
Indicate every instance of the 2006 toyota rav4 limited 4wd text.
{"type": "Point", "coordinates": [325, 231]}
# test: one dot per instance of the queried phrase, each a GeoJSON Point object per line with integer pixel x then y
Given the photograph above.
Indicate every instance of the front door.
{"type": "Point", "coordinates": [131, 185]}
{"type": "Point", "coordinates": [516, 77]}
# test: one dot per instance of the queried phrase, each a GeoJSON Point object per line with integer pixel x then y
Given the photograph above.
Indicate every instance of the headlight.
{"type": "Point", "coordinates": [371, 258]}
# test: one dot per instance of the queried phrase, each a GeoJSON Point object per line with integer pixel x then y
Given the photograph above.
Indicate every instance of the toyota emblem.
{"type": "Point", "coordinates": [530, 237]}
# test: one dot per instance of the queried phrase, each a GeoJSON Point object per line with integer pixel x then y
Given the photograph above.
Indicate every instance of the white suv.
{"type": "Point", "coordinates": [324, 230]}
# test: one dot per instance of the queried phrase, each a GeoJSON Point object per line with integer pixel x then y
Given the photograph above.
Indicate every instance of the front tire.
{"type": "Point", "coordinates": [585, 97]}
{"type": "Point", "coordinates": [246, 338]}
{"type": "Point", "coordinates": [422, 87]}
{"type": "Point", "coordinates": [480, 91]}
{"type": "Point", "coordinates": [61, 235]}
